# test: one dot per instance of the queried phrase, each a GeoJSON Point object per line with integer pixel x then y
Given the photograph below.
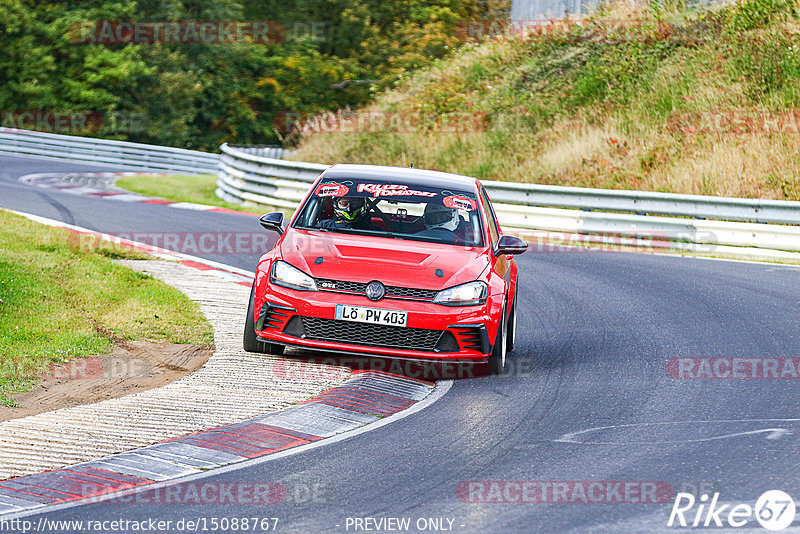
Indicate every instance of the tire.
{"type": "Point", "coordinates": [497, 360]}
{"type": "Point", "coordinates": [511, 330]}
{"type": "Point", "coordinates": [250, 342]}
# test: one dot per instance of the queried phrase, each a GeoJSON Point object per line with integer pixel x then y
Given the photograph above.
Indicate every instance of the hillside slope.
{"type": "Point", "coordinates": [702, 102]}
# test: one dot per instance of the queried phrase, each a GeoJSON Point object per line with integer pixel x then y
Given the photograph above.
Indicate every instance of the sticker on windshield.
{"type": "Point", "coordinates": [392, 190]}
{"type": "Point", "coordinates": [332, 190]}
{"type": "Point", "coordinates": [460, 203]}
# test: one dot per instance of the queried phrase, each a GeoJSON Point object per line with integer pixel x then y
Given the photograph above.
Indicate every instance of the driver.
{"type": "Point", "coordinates": [348, 212]}
{"type": "Point", "coordinates": [440, 221]}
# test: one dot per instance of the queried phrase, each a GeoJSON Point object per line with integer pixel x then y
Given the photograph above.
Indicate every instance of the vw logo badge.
{"type": "Point", "coordinates": [375, 290]}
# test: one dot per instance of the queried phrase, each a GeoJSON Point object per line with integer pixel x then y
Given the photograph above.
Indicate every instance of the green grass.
{"type": "Point", "coordinates": [599, 105]}
{"type": "Point", "coordinates": [197, 188]}
{"type": "Point", "coordinates": [62, 297]}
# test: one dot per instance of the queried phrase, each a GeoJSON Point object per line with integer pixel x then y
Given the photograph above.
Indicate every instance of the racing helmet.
{"type": "Point", "coordinates": [348, 208]}
{"type": "Point", "coordinates": [440, 216]}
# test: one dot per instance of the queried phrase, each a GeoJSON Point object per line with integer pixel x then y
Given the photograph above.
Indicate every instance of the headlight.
{"type": "Point", "coordinates": [286, 275]}
{"type": "Point", "coordinates": [468, 294]}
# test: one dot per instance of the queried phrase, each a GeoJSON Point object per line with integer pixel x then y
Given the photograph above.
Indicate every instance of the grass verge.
{"type": "Point", "coordinates": [651, 97]}
{"type": "Point", "coordinates": [196, 188]}
{"type": "Point", "coordinates": [62, 297]}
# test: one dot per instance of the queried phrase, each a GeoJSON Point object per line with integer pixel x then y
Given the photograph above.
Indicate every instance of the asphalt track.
{"type": "Point", "coordinates": [596, 331]}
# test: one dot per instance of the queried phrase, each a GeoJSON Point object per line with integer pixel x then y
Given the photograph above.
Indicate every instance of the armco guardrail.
{"type": "Point", "coordinates": [647, 202]}
{"type": "Point", "coordinates": [731, 223]}
{"type": "Point", "coordinates": [264, 151]}
{"type": "Point", "coordinates": [105, 152]}
{"type": "Point", "coordinates": [247, 177]}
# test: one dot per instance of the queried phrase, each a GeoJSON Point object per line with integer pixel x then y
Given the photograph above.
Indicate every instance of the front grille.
{"type": "Point", "coordinates": [411, 293]}
{"type": "Point", "coordinates": [359, 288]}
{"type": "Point", "coordinates": [372, 335]}
{"type": "Point", "coordinates": [341, 285]}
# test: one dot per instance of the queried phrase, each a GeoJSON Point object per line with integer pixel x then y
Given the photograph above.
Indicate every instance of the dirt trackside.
{"type": "Point", "coordinates": [128, 368]}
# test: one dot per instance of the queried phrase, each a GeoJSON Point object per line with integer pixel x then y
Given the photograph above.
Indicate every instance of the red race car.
{"type": "Point", "coordinates": [390, 262]}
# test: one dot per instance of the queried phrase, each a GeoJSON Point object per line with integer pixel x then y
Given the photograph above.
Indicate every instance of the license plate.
{"type": "Point", "coordinates": [360, 314]}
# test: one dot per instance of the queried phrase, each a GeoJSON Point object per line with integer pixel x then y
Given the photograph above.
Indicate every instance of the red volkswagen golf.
{"type": "Point", "coordinates": [391, 262]}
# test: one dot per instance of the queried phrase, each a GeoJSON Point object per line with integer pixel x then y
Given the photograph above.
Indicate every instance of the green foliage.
{"type": "Point", "coordinates": [330, 55]}
{"type": "Point", "coordinates": [575, 70]}
{"type": "Point", "coordinates": [769, 61]}
{"type": "Point", "coordinates": [751, 14]}
{"type": "Point", "coordinates": [763, 44]}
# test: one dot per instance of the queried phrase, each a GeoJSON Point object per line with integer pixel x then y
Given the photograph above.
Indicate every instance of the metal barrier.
{"type": "Point", "coordinates": [737, 223]}
{"type": "Point", "coordinates": [647, 202]}
{"type": "Point", "coordinates": [105, 152]}
{"type": "Point", "coordinates": [249, 174]}
{"type": "Point", "coordinates": [264, 151]}
{"type": "Point", "coordinates": [246, 177]}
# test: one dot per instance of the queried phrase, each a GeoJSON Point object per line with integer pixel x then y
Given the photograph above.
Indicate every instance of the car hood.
{"type": "Point", "coordinates": [395, 262]}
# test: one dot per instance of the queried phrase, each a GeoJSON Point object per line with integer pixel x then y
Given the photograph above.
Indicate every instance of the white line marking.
{"type": "Point", "coordinates": [772, 433]}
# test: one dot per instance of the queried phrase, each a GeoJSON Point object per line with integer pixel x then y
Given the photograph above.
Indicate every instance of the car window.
{"type": "Point", "coordinates": [488, 212]}
{"type": "Point", "coordinates": [396, 210]}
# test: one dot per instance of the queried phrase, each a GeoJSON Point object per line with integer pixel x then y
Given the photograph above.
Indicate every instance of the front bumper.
{"type": "Point", "coordinates": [306, 319]}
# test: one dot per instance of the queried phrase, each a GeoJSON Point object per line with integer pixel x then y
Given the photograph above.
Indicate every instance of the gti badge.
{"type": "Point", "coordinates": [375, 290]}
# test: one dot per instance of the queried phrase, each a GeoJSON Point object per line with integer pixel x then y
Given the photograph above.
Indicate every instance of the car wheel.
{"type": "Point", "coordinates": [511, 330]}
{"type": "Point", "coordinates": [250, 342]}
{"type": "Point", "coordinates": [497, 360]}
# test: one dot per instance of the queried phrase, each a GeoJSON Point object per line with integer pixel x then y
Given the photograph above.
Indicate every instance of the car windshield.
{"type": "Point", "coordinates": [395, 210]}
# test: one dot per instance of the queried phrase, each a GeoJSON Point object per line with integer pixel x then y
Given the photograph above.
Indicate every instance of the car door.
{"type": "Point", "coordinates": [500, 264]}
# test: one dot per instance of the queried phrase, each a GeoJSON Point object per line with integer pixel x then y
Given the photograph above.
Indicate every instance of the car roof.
{"type": "Point", "coordinates": [406, 175]}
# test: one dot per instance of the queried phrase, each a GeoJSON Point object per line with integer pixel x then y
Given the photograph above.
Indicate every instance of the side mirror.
{"type": "Point", "coordinates": [272, 221]}
{"type": "Point", "coordinates": [510, 244]}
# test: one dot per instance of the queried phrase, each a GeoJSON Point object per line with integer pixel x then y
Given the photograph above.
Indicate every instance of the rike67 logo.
{"type": "Point", "coordinates": [774, 510]}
